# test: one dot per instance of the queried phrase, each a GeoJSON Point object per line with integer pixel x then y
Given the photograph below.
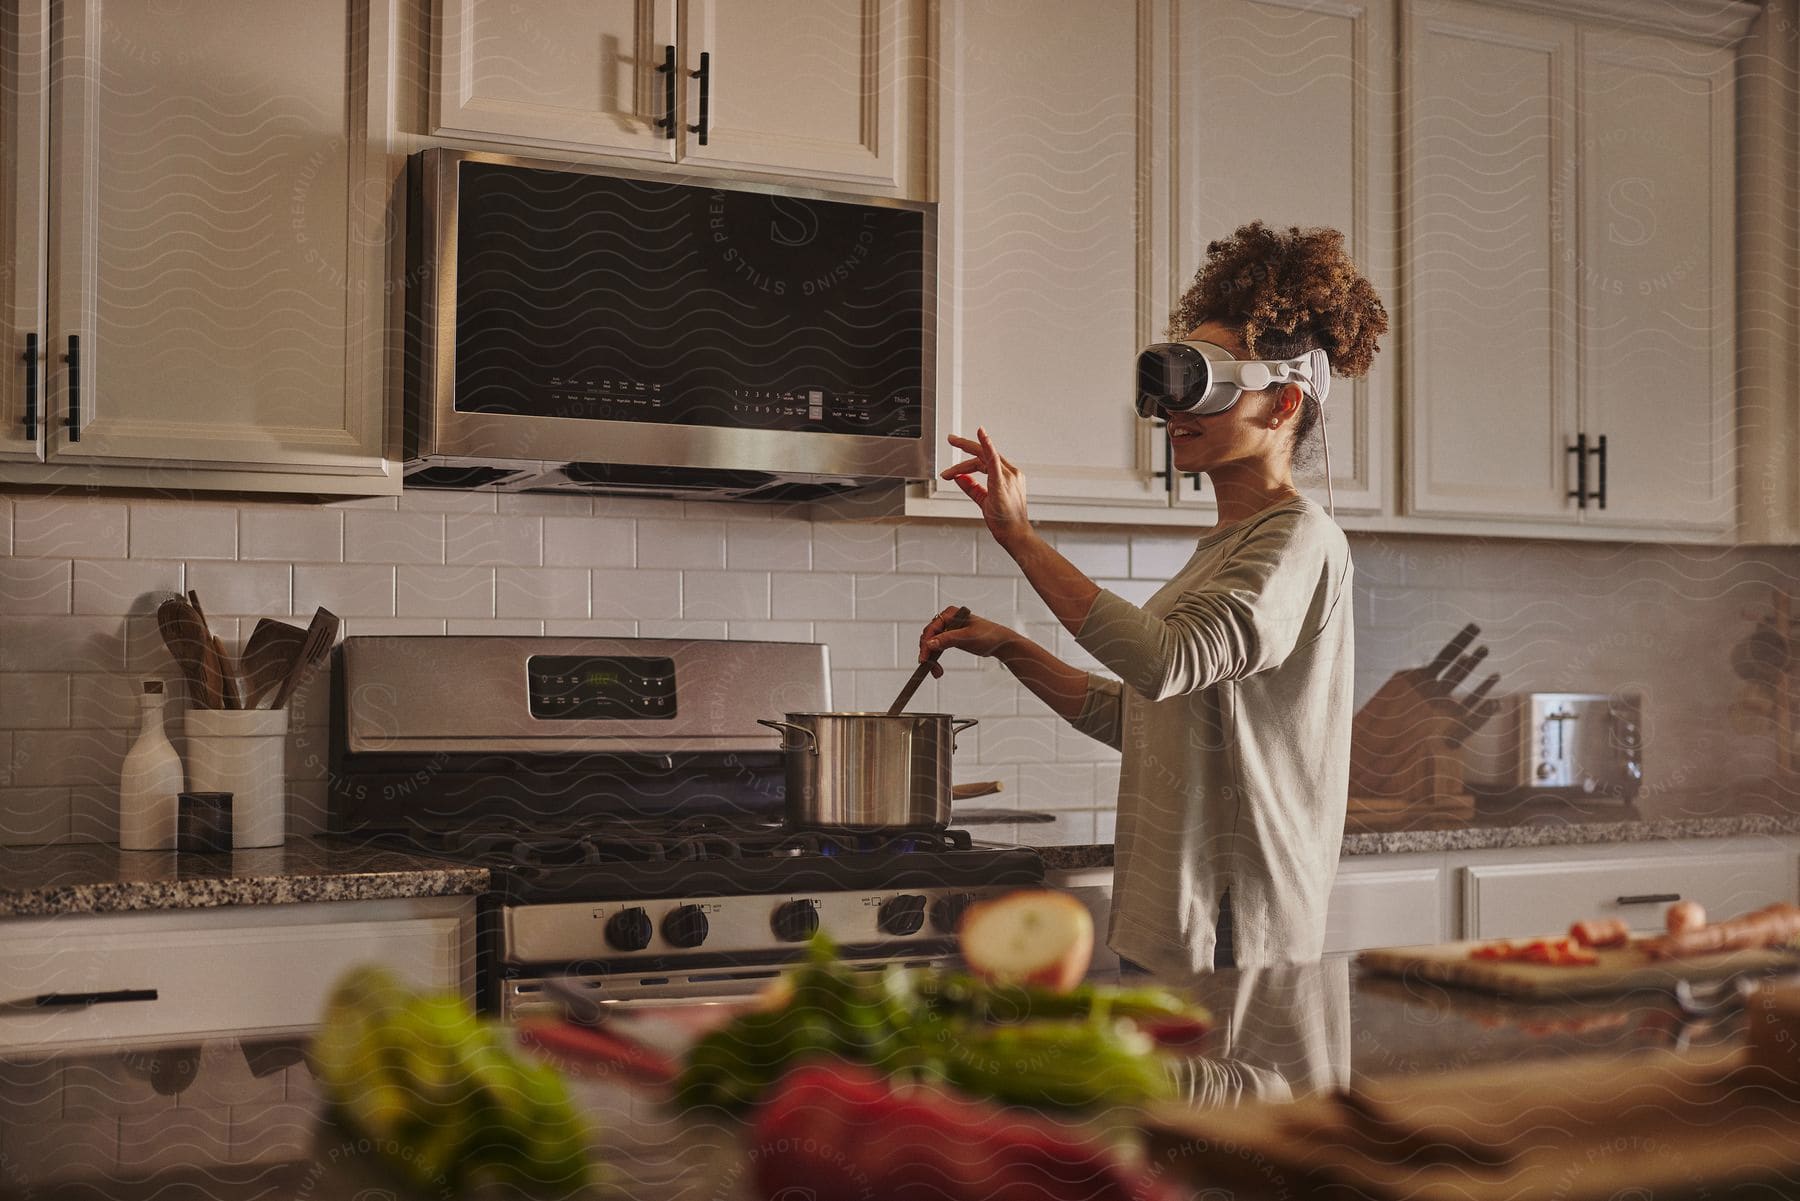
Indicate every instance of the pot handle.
{"type": "Point", "coordinates": [782, 728]}
{"type": "Point", "coordinates": [958, 726]}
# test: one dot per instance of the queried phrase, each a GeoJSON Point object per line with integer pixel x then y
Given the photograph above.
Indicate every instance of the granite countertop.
{"type": "Point", "coordinates": [231, 1120]}
{"type": "Point", "coordinates": [1540, 824]}
{"type": "Point", "coordinates": [53, 880]}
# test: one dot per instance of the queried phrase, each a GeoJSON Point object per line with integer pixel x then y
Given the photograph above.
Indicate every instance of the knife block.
{"type": "Point", "coordinates": [1406, 765]}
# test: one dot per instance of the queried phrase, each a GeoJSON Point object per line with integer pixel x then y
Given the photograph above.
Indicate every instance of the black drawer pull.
{"type": "Point", "coordinates": [73, 359]}
{"type": "Point", "coordinates": [666, 122]}
{"type": "Point", "coordinates": [76, 1000]}
{"type": "Point", "coordinates": [31, 387]}
{"type": "Point", "coordinates": [1650, 898]}
{"type": "Point", "coordinates": [704, 75]}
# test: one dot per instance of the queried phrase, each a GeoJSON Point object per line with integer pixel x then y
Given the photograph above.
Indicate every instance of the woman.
{"type": "Point", "coordinates": [1233, 700]}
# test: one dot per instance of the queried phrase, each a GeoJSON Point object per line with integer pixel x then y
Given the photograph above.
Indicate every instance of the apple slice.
{"type": "Point", "coordinates": [1037, 936]}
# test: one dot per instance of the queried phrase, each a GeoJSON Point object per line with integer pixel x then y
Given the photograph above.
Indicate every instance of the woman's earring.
{"type": "Point", "coordinates": [1275, 425]}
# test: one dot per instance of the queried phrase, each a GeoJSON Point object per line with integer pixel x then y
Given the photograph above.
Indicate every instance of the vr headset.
{"type": "Point", "coordinates": [1204, 378]}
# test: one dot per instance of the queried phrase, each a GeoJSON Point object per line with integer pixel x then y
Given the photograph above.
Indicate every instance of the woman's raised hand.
{"type": "Point", "coordinates": [1002, 498]}
{"type": "Point", "coordinates": [979, 637]}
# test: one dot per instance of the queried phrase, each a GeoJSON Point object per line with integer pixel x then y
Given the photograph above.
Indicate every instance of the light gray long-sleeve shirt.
{"type": "Point", "coordinates": [1232, 712]}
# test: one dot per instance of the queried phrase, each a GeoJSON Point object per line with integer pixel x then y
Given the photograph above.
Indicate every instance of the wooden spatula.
{"type": "Point", "coordinates": [272, 651]}
{"type": "Point", "coordinates": [230, 693]}
{"type": "Point", "coordinates": [319, 637]}
{"type": "Point", "coordinates": [185, 635]}
{"type": "Point", "coordinates": [957, 621]}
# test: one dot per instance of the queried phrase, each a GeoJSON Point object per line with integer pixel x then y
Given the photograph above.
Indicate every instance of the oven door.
{"type": "Point", "coordinates": [566, 314]}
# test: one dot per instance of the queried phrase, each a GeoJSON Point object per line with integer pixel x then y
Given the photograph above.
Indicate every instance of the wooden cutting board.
{"type": "Point", "coordinates": [1621, 969]}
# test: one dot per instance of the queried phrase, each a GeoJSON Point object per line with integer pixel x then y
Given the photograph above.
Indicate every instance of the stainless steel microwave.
{"type": "Point", "coordinates": [574, 328]}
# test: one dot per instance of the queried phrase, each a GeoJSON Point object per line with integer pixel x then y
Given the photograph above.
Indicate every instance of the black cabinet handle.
{"type": "Point", "coordinates": [73, 359]}
{"type": "Point", "coordinates": [1580, 451]}
{"type": "Point", "coordinates": [67, 1000]}
{"type": "Point", "coordinates": [1168, 467]}
{"type": "Point", "coordinates": [1650, 898]}
{"type": "Point", "coordinates": [31, 387]}
{"type": "Point", "coordinates": [666, 122]}
{"type": "Point", "coordinates": [1600, 450]}
{"type": "Point", "coordinates": [704, 75]}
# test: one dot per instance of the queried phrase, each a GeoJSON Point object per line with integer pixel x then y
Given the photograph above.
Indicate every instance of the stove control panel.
{"type": "Point", "coordinates": [586, 687]}
{"type": "Point", "coordinates": [621, 931]}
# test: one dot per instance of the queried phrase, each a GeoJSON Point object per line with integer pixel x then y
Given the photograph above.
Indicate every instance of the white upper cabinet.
{"type": "Point", "coordinates": [1047, 148]}
{"type": "Point", "coordinates": [823, 89]}
{"type": "Point", "coordinates": [1568, 233]}
{"type": "Point", "coordinates": [830, 91]}
{"type": "Point", "coordinates": [24, 42]}
{"type": "Point", "coordinates": [593, 75]}
{"type": "Point", "coordinates": [1490, 393]}
{"type": "Point", "coordinates": [212, 255]}
{"type": "Point", "coordinates": [1657, 222]}
{"type": "Point", "coordinates": [1284, 117]}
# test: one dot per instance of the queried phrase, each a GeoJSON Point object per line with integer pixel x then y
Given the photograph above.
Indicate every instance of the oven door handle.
{"type": "Point", "coordinates": [782, 728]}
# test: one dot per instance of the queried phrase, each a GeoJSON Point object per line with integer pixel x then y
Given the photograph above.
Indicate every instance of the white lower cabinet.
{"type": "Point", "coordinates": [154, 976]}
{"type": "Point", "coordinates": [1373, 905]}
{"type": "Point", "coordinates": [1507, 900]}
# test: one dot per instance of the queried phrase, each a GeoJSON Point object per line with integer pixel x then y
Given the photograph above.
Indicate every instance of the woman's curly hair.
{"type": "Point", "coordinates": [1287, 293]}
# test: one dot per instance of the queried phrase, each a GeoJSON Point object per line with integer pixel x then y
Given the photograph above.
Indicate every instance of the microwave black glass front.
{"type": "Point", "coordinates": [769, 327]}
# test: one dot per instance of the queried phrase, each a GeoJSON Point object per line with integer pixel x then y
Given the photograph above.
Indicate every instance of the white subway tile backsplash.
{"type": "Point", "coordinates": [861, 644]}
{"type": "Point", "coordinates": [291, 534]}
{"type": "Point", "coordinates": [69, 528]}
{"type": "Point", "coordinates": [383, 627]}
{"type": "Point", "coordinates": [61, 644]}
{"type": "Point", "coordinates": [890, 597]}
{"type": "Point", "coordinates": [589, 542]}
{"type": "Point", "coordinates": [1051, 785]}
{"type": "Point", "coordinates": [545, 504]}
{"type": "Point", "coordinates": [681, 543]}
{"type": "Point", "coordinates": [183, 531]}
{"type": "Point", "coordinates": [494, 541]}
{"type": "Point", "coordinates": [34, 700]}
{"type": "Point", "coordinates": [453, 591]}
{"type": "Point", "coordinates": [812, 597]}
{"type": "Point", "coordinates": [65, 758]}
{"type": "Point", "coordinates": [377, 537]}
{"type": "Point", "coordinates": [622, 594]}
{"type": "Point", "coordinates": [768, 546]}
{"type": "Point", "coordinates": [936, 549]}
{"type": "Point", "coordinates": [854, 546]}
{"type": "Point", "coordinates": [993, 597]}
{"type": "Point", "coordinates": [448, 500]}
{"type": "Point", "coordinates": [543, 592]}
{"type": "Point", "coordinates": [32, 816]}
{"type": "Point", "coordinates": [1160, 557]}
{"type": "Point", "coordinates": [120, 586]}
{"type": "Point", "coordinates": [769, 631]}
{"type": "Point", "coordinates": [591, 627]}
{"type": "Point", "coordinates": [732, 595]}
{"type": "Point", "coordinates": [107, 701]}
{"type": "Point", "coordinates": [681, 629]}
{"type": "Point", "coordinates": [349, 591]}
{"type": "Point", "coordinates": [523, 627]}
{"type": "Point", "coordinates": [1096, 554]}
{"type": "Point", "coordinates": [1018, 739]}
{"type": "Point", "coordinates": [242, 589]}
{"type": "Point", "coordinates": [35, 586]}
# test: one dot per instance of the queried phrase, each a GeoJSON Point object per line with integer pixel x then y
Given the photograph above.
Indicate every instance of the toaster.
{"type": "Point", "coordinates": [1574, 745]}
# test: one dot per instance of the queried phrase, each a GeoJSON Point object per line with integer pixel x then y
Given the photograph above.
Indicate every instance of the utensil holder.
{"type": "Point", "coordinates": [243, 752]}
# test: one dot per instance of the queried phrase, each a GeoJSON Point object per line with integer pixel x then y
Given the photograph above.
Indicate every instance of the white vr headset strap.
{"type": "Point", "coordinates": [1313, 370]}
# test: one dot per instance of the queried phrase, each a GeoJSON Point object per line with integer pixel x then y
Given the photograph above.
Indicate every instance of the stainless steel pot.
{"type": "Point", "coordinates": [869, 770]}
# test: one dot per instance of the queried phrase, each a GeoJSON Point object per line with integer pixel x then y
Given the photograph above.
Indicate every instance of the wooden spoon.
{"type": "Point", "coordinates": [957, 621]}
{"type": "Point", "coordinates": [230, 694]}
{"type": "Point", "coordinates": [184, 633]}
{"type": "Point", "coordinates": [273, 649]}
{"type": "Point", "coordinates": [320, 634]}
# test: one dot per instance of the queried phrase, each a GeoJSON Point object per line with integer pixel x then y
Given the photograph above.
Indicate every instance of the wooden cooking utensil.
{"type": "Point", "coordinates": [320, 634]}
{"type": "Point", "coordinates": [968, 792]}
{"type": "Point", "coordinates": [230, 692]}
{"type": "Point", "coordinates": [184, 633]}
{"type": "Point", "coordinates": [271, 653]}
{"type": "Point", "coordinates": [957, 621]}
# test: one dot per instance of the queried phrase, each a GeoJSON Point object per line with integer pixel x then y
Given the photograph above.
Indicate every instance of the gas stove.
{"type": "Point", "coordinates": [637, 849]}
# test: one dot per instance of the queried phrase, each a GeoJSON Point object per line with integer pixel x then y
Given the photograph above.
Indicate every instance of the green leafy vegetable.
{"type": "Point", "coordinates": [1009, 1042]}
{"type": "Point", "coordinates": [438, 1092]}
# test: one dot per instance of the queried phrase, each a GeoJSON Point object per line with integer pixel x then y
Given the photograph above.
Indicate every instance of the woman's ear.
{"type": "Point", "coordinates": [1288, 401]}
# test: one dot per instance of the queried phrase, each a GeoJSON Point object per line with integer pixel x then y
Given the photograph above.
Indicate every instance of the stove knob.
{"type": "Point", "coordinates": [947, 912]}
{"type": "Point", "coordinates": [629, 930]}
{"type": "Point", "coordinates": [903, 914]}
{"type": "Point", "coordinates": [685, 926]}
{"type": "Point", "coordinates": [795, 921]}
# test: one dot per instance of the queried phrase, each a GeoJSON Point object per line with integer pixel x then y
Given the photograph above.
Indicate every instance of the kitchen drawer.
{"type": "Point", "coordinates": [1512, 900]}
{"type": "Point", "coordinates": [1388, 908]}
{"type": "Point", "coordinates": [209, 981]}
